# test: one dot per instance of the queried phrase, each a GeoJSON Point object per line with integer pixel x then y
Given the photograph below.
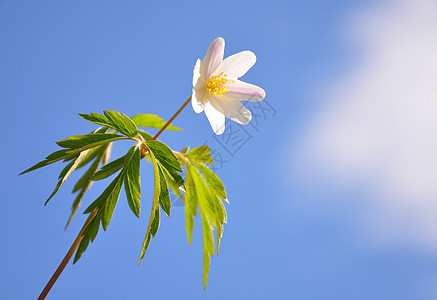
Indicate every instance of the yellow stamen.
{"type": "Point", "coordinates": [216, 85]}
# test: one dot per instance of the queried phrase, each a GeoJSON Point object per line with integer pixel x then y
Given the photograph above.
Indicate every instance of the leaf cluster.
{"type": "Point", "coordinates": [201, 190]}
{"type": "Point", "coordinates": [204, 190]}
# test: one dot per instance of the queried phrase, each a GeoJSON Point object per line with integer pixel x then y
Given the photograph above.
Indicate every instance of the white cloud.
{"type": "Point", "coordinates": [378, 124]}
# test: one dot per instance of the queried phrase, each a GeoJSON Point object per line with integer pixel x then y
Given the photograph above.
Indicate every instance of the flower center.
{"type": "Point", "coordinates": [216, 85]}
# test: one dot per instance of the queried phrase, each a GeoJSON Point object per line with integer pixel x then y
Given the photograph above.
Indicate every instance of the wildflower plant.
{"type": "Point", "coordinates": [217, 91]}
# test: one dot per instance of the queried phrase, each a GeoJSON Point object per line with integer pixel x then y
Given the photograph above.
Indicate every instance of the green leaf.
{"type": "Point", "coordinates": [83, 182]}
{"type": "Point", "coordinates": [225, 215]}
{"type": "Point", "coordinates": [206, 201]}
{"type": "Point", "coordinates": [91, 155]}
{"type": "Point", "coordinates": [81, 249]}
{"type": "Point", "coordinates": [164, 198]}
{"type": "Point", "coordinates": [132, 183]}
{"type": "Point", "coordinates": [176, 178]}
{"type": "Point", "coordinates": [201, 154]}
{"type": "Point", "coordinates": [122, 123]}
{"type": "Point", "coordinates": [164, 155]}
{"type": "Point", "coordinates": [93, 228]}
{"type": "Point", "coordinates": [155, 206]}
{"type": "Point", "coordinates": [76, 203]}
{"type": "Point", "coordinates": [208, 247]}
{"type": "Point", "coordinates": [167, 159]}
{"type": "Point", "coordinates": [172, 184]}
{"type": "Point", "coordinates": [67, 168]}
{"type": "Point", "coordinates": [94, 152]}
{"type": "Point", "coordinates": [218, 208]}
{"type": "Point", "coordinates": [89, 233]}
{"type": "Point", "coordinates": [155, 223]}
{"type": "Point", "coordinates": [97, 119]}
{"type": "Point", "coordinates": [146, 136]}
{"type": "Point", "coordinates": [88, 141]}
{"type": "Point", "coordinates": [107, 155]}
{"type": "Point", "coordinates": [70, 158]}
{"type": "Point", "coordinates": [114, 120]}
{"type": "Point", "coordinates": [60, 182]}
{"type": "Point", "coordinates": [219, 236]}
{"type": "Point", "coordinates": [210, 204]}
{"type": "Point", "coordinates": [221, 218]}
{"type": "Point", "coordinates": [100, 201]}
{"type": "Point", "coordinates": [191, 204]}
{"type": "Point", "coordinates": [111, 202]}
{"type": "Point", "coordinates": [152, 121]}
{"type": "Point", "coordinates": [206, 263]}
{"type": "Point", "coordinates": [101, 130]}
{"type": "Point", "coordinates": [111, 168]}
{"type": "Point", "coordinates": [189, 225]}
{"type": "Point", "coordinates": [60, 154]}
{"type": "Point", "coordinates": [54, 157]}
{"type": "Point", "coordinates": [66, 172]}
{"type": "Point", "coordinates": [185, 150]}
{"type": "Point", "coordinates": [214, 183]}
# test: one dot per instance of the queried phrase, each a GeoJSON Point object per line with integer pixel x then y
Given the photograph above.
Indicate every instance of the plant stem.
{"type": "Point", "coordinates": [172, 118]}
{"type": "Point", "coordinates": [92, 215]}
{"type": "Point", "coordinates": [66, 258]}
{"type": "Point", "coordinates": [143, 149]}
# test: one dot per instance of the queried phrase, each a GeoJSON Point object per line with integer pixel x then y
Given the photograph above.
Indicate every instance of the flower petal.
{"type": "Point", "coordinates": [196, 101]}
{"type": "Point", "coordinates": [196, 72]}
{"type": "Point", "coordinates": [198, 94]}
{"type": "Point", "coordinates": [213, 57]}
{"type": "Point", "coordinates": [237, 65]}
{"type": "Point", "coordinates": [215, 118]}
{"type": "Point", "coordinates": [233, 110]}
{"type": "Point", "coordinates": [240, 91]}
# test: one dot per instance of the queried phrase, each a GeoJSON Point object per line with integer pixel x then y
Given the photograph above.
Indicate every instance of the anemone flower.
{"type": "Point", "coordinates": [217, 90]}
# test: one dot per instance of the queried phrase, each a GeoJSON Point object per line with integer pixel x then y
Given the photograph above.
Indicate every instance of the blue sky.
{"type": "Point", "coordinates": [327, 200]}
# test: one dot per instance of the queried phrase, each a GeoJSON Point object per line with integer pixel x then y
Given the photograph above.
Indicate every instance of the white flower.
{"type": "Point", "coordinates": [217, 90]}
